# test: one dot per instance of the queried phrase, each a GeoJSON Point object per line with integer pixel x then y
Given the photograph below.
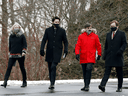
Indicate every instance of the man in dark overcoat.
{"type": "Point", "coordinates": [113, 55]}
{"type": "Point", "coordinates": [55, 36]}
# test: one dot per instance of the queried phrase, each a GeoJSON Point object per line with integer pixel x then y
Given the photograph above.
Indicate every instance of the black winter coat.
{"type": "Point", "coordinates": [17, 43]}
{"type": "Point", "coordinates": [114, 48]}
{"type": "Point", "coordinates": [54, 44]}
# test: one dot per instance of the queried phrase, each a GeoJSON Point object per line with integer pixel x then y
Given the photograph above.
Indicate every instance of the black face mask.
{"type": "Point", "coordinates": [113, 28]}
{"type": "Point", "coordinates": [56, 25]}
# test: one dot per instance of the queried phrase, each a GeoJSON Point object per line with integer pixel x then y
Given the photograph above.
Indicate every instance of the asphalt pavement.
{"type": "Point", "coordinates": [72, 89]}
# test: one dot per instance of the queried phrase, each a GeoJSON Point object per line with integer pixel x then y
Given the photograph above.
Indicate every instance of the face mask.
{"type": "Point", "coordinates": [88, 31]}
{"type": "Point", "coordinates": [56, 25]}
{"type": "Point", "coordinates": [113, 28]}
{"type": "Point", "coordinates": [16, 30]}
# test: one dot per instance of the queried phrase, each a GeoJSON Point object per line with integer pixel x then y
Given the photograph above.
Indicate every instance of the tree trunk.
{"type": "Point", "coordinates": [4, 45]}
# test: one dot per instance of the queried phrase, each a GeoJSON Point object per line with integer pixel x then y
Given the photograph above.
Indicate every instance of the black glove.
{"type": "Point", "coordinates": [119, 52]}
{"type": "Point", "coordinates": [78, 57]}
{"type": "Point", "coordinates": [42, 52]}
{"type": "Point", "coordinates": [98, 58]}
{"type": "Point", "coordinates": [65, 52]}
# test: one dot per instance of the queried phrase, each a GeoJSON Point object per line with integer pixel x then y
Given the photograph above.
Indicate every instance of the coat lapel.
{"type": "Point", "coordinates": [116, 34]}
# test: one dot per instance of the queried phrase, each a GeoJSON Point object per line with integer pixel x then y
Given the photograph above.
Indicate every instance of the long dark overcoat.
{"type": "Point", "coordinates": [54, 44]}
{"type": "Point", "coordinates": [112, 46]}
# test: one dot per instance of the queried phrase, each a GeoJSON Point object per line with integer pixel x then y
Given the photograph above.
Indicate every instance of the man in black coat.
{"type": "Point", "coordinates": [55, 37]}
{"type": "Point", "coordinates": [113, 55]}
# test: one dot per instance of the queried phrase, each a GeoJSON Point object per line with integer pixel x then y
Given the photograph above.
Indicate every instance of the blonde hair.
{"type": "Point", "coordinates": [17, 24]}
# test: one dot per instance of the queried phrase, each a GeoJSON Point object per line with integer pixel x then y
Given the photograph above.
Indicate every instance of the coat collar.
{"type": "Point", "coordinates": [115, 34]}
{"type": "Point", "coordinates": [56, 29]}
{"type": "Point", "coordinates": [89, 34]}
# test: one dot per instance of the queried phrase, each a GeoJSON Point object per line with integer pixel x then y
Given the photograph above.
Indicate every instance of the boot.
{"type": "Point", "coordinates": [4, 84]}
{"type": "Point", "coordinates": [24, 84]}
{"type": "Point", "coordinates": [51, 87]}
{"type": "Point", "coordinates": [102, 88]}
{"type": "Point", "coordinates": [85, 89]}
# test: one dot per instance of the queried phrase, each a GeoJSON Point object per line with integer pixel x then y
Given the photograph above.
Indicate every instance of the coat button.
{"type": "Point", "coordinates": [53, 46]}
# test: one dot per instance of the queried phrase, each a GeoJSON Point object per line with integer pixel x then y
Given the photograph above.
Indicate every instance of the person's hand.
{"type": "Point", "coordinates": [98, 58]}
{"type": "Point", "coordinates": [65, 54]}
{"type": "Point", "coordinates": [78, 57]}
{"type": "Point", "coordinates": [42, 52]}
{"type": "Point", "coordinates": [23, 54]}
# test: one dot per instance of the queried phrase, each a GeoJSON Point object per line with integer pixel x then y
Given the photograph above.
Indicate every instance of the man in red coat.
{"type": "Point", "coordinates": [85, 49]}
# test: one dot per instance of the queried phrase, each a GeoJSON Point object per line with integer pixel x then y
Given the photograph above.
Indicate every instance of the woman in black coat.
{"type": "Point", "coordinates": [17, 51]}
{"type": "Point", "coordinates": [55, 37]}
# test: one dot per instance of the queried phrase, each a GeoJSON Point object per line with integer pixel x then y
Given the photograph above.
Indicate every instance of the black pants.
{"type": "Point", "coordinates": [52, 72]}
{"type": "Point", "coordinates": [119, 71]}
{"type": "Point", "coordinates": [87, 69]}
{"type": "Point", "coordinates": [11, 63]}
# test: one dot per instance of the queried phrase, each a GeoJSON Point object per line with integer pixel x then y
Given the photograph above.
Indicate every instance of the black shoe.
{"type": "Point", "coordinates": [85, 89]}
{"type": "Point", "coordinates": [102, 88]}
{"type": "Point", "coordinates": [24, 84]}
{"type": "Point", "coordinates": [82, 89]}
{"type": "Point", "coordinates": [4, 84]}
{"type": "Point", "coordinates": [51, 87]}
{"type": "Point", "coordinates": [119, 90]}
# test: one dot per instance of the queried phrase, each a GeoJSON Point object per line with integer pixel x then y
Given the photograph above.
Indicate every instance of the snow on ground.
{"type": "Point", "coordinates": [41, 82]}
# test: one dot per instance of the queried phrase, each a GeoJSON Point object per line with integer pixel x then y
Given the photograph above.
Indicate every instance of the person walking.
{"type": "Point", "coordinates": [113, 55]}
{"type": "Point", "coordinates": [85, 50]}
{"type": "Point", "coordinates": [55, 36]}
{"type": "Point", "coordinates": [17, 51]}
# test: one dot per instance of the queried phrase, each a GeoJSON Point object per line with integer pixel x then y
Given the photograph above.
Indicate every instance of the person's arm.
{"type": "Point", "coordinates": [77, 48]}
{"type": "Point", "coordinates": [24, 46]}
{"type": "Point", "coordinates": [124, 44]}
{"type": "Point", "coordinates": [43, 43]}
{"type": "Point", "coordinates": [9, 44]}
{"type": "Point", "coordinates": [65, 41]}
{"type": "Point", "coordinates": [105, 49]}
{"type": "Point", "coordinates": [98, 46]}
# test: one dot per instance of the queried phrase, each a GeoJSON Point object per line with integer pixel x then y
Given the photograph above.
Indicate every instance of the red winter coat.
{"type": "Point", "coordinates": [86, 46]}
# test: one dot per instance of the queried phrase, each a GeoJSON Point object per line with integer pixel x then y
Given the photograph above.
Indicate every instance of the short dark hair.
{"type": "Point", "coordinates": [53, 19]}
{"type": "Point", "coordinates": [87, 25]}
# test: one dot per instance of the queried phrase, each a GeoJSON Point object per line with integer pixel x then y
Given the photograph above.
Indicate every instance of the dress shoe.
{"type": "Point", "coordinates": [51, 87]}
{"type": "Point", "coordinates": [85, 89]}
{"type": "Point", "coordinates": [119, 90]}
{"type": "Point", "coordinates": [4, 84]}
{"type": "Point", "coordinates": [102, 88]}
{"type": "Point", "coordinates": [24, 84]}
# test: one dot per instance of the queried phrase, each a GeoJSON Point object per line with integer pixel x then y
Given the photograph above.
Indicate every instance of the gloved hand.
{"type": "Point", "coordinates": [65, 54]}
{"type": "Point", "coordinates": [42, 52]}
{"type": "Point", "coordinates": [98, 58]}
{"type": "Point", "coordinates": [119, 52]}
{"type": "Point", "coordinates": [78, 57]}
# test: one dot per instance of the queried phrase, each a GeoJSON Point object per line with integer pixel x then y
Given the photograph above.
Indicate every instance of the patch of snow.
{"type": "Point", "coordinates": [42, 82]}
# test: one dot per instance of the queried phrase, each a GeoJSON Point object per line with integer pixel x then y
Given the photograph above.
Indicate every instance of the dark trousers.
{"type": "Point", "coordinates": [11, 63]}
{"type": "Point", "coordinates": [52, 72]}
{"type": "Point", "coordinates": [87, 69]}
{"type": "Point", "coordinates": [119, 71]}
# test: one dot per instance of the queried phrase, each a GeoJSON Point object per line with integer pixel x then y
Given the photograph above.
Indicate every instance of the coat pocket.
{"type": "Point", "coordinates": [83, 55]}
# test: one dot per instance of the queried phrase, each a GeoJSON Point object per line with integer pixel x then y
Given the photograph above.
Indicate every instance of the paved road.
{"type": "Point", "coordinates": [63, 90]}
